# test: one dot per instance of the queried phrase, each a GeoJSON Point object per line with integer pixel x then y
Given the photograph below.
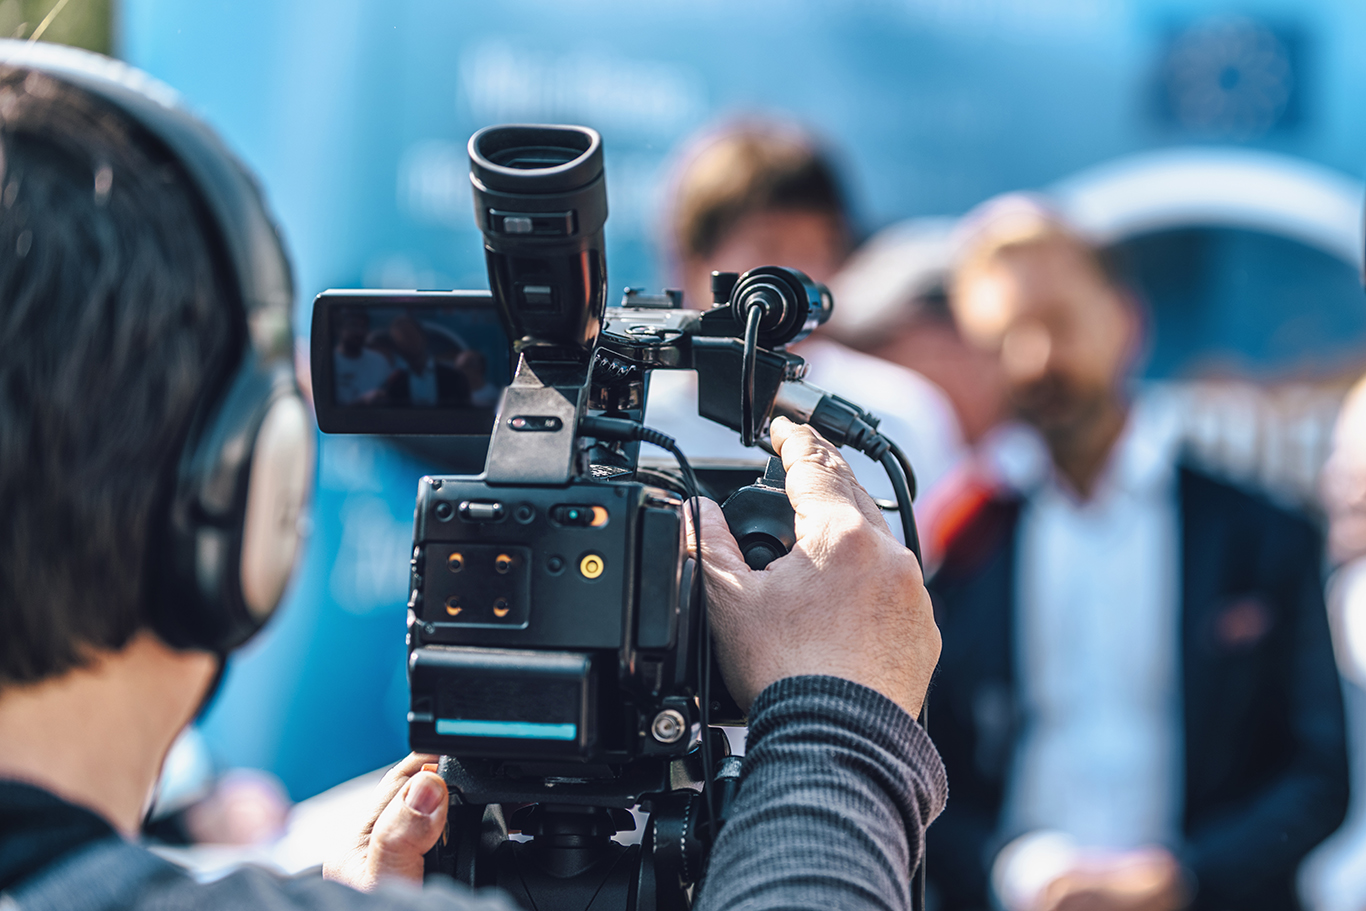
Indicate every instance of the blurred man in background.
{"type": "Point", "coordinates": [760, 193]}
{"type": "Point", "coordinates": [1137, 702]}
{"type": "Point", "coordinates": [893, 304]}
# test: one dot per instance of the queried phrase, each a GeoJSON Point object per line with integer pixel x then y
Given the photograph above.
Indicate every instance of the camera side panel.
{"type": "Point", "coordinates": [568, 580]}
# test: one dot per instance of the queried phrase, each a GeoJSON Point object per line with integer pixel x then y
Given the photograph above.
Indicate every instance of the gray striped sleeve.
{"type": "Point", "coordinates": [837, 787]}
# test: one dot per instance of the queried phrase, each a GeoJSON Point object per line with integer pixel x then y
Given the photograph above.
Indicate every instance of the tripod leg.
{"type": "Point", "coordinates": [676, 851]}
{"type": "Point", "coordinates": [646, 892]}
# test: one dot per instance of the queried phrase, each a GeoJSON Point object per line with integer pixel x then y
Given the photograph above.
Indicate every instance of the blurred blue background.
{"type": "Point", "coordinates": [355, 115]}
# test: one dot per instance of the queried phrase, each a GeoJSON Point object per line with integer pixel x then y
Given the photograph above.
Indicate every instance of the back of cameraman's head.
{"type": "Point", "coordinates": [113, 326]}
{"type": "Point", "coordinates": [756, 193]}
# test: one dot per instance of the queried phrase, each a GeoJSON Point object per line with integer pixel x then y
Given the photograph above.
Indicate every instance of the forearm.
{"type": "Point", "coordinates": [837, 788]}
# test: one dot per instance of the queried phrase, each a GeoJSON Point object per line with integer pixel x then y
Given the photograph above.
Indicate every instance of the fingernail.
{"type": "Point", "coordinates": [424, 796]}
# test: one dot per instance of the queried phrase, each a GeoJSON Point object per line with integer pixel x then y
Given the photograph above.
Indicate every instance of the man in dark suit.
{"type": "Point", "coordinates": [1137, 701]}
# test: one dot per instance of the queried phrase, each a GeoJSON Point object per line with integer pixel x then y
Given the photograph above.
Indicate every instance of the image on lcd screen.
{"type": "Point", "coordinates": [418, 357]}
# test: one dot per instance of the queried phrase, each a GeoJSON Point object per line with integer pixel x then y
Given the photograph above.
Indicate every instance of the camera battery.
{"type": "Point", "coordinates": [500, 702]}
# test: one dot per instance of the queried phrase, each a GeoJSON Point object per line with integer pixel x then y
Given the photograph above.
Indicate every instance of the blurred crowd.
{"type": "Point", "coordinates": [1141, 696]}
{"type": "Point", "coordinates": [1137, 702]}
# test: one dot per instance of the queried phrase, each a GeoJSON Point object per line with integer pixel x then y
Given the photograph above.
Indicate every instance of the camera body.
{"type": "Point", "coordinates": [553, 623]}
{"type": "Point", "coordinates": [550, 624]}
{"type": "Point", "coordinates": [553, 616]}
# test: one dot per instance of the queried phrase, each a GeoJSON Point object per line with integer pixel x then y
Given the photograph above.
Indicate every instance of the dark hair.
{"type": "Point", "coordinates": [113, 327]}
{"type": "Point", "coordinates": [748, 168]}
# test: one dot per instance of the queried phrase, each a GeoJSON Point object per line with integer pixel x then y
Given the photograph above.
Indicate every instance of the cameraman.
{"type": "Point", "coordinates": [117, 324]}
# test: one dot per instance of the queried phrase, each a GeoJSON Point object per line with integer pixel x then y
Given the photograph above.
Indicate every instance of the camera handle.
{"type": "Point", "coordinates": [760, 517]}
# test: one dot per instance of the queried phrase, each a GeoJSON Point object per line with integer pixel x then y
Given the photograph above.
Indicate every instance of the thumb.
{"type": "Point", "coordinates": [408, 828]}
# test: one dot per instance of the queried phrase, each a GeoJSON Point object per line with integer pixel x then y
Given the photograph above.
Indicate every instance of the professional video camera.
{"type": "Point", "coordinates": [557, 634]}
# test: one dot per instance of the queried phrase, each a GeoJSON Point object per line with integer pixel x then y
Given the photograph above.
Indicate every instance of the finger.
{"type": "Point", "coordinates": [820, 483]}
{"type": "Point", "coordinates": [719, 549]}
{"type": "Point", "coordinates": [410, 765]}
{"type": "Point", "coordinates": [408, 828]}
{"type": "Point", "coordinates": [862, 499]}
{"type": "Point", "coordinates": [871, 511]}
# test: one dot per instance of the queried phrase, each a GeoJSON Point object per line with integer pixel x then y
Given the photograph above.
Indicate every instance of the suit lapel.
{"type": "Point", "coordinates": [1204, 545]}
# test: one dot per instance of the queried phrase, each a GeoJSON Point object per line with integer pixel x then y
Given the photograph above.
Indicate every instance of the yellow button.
{"type": "Point", "coordinates": [591, 566]}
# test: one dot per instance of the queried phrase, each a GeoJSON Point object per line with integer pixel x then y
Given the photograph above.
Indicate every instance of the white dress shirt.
{"type": "Point", "coordinates": [1099, 764]}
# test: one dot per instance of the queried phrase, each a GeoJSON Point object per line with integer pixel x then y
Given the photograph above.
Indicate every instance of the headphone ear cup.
{"type": "Point", "coordinates": [278, 486]}
{"type": "Point", "coordinates": [232, 529]}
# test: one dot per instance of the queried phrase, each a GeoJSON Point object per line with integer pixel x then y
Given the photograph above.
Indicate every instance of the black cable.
{"type": "Point", "coordinates": [704, 626]}
{"type": "Point", "coordinates": [622, 429]}
{"type": "Point", "coordinates": [899, 472]}
{"type": "Point", "coordinates": [905, 464]}
{"type": "Point", "coordinates": [892, 465]}
{"type": "Point", "coordinates": [752, 321]}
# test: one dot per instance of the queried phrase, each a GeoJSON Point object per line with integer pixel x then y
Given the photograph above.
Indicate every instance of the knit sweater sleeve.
{"type": "Point", "coordinates": [837, 787]}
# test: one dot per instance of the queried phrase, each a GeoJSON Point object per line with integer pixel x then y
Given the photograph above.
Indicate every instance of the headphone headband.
{"type": "Point", "coordinates": [246, 232]}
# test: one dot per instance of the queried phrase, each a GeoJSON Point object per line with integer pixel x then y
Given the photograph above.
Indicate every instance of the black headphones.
{"type": "Point", "coordinates": [220, 561]}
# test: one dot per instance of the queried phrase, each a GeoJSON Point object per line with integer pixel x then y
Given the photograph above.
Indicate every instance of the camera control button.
{"type": "Point", "coordinates": [476, 511]}
{"type": "Point", "coordinates": [591, 566]}
{"type": "Point", "coordinates": [669, 726]}
{"type": "Point", "coordinates": [579, 516]}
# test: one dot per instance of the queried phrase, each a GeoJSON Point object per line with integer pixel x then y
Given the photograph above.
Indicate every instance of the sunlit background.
{"type": "Point", "coordinates": [356, 116]}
